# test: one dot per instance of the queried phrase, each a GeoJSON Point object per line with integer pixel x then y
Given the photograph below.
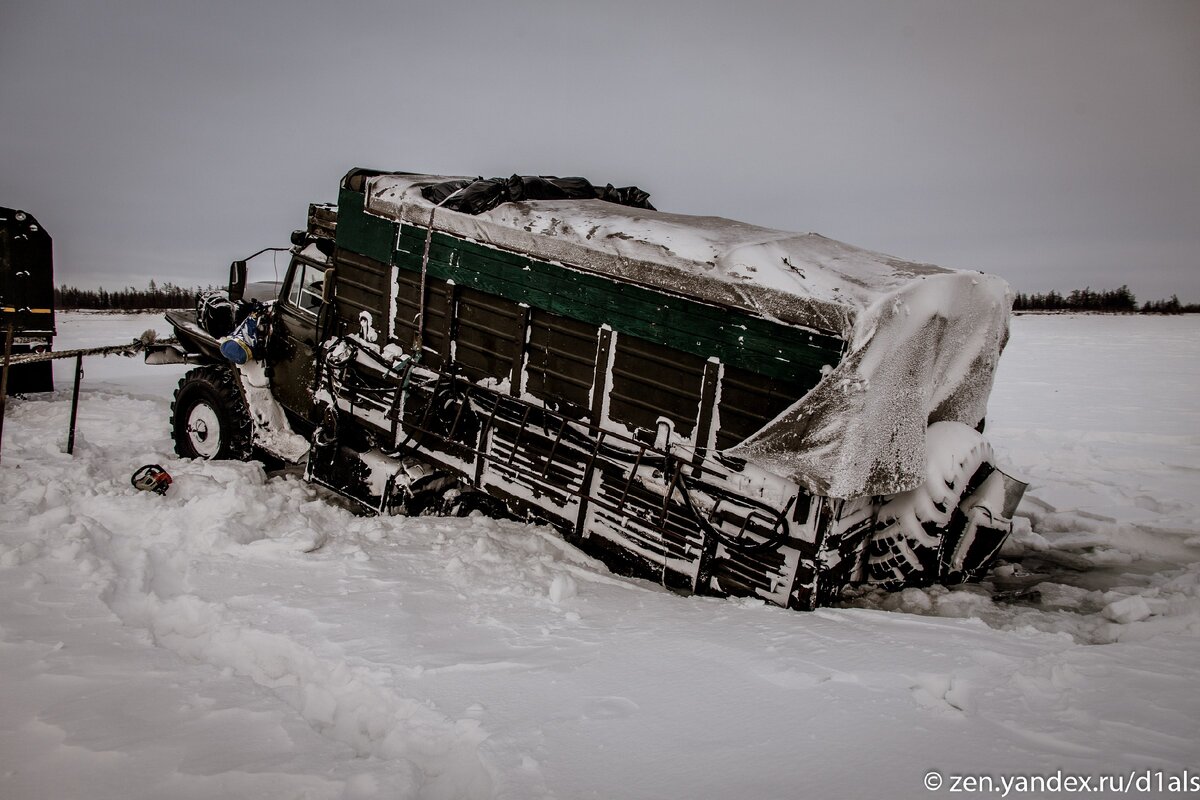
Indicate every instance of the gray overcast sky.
{"type": "Point", "coordinates": [1054, 142]}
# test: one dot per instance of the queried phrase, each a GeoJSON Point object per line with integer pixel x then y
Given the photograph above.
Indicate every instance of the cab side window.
{"type": "Point", "coordinates": [304, 292]}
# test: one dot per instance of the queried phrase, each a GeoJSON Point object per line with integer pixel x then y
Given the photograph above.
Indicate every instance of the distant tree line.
{"type": "Point", "coordinates": [1172, 306]}
{"type": "Point", "coordinates": [168, 295]}
{"type": "Point", "coordinates": [1120, 300]}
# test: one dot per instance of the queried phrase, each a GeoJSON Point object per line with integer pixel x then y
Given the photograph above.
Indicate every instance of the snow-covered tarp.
{"type": "Point", "coordinates": [922, 341]}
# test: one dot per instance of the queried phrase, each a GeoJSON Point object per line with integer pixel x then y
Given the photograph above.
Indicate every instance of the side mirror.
{"type": "Point", "coordinates": [327, 287]}
{"type": "Point", "coordinates": [237, 280]}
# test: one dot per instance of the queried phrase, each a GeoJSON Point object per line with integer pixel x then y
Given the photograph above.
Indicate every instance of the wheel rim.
{"type": "Point", "coordinates": [204, 430]}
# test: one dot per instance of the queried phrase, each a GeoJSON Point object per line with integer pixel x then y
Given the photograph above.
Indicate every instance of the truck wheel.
{"type": "Point", "coordinates": [919, 525]}
{"type": "Point", "coordinates": [209, 418]}
{"type": "Point", "coordinates": [469, 501]}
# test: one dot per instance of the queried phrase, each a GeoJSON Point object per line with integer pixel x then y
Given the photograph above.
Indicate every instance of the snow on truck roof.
{"type": "Point", "coordinates": [798, 278]}
{"type": "Point", "coordinates": [922, 342]}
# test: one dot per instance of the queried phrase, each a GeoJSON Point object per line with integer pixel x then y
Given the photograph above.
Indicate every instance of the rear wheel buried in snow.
{"type": "Point", "coordinates": [209, 418]}
{"type": "Point", "coordinates": [467, 502]}
{"type": "Point", "coordinates": [933, 533]}
{"type": "Point", "coordinates": [445, 496]}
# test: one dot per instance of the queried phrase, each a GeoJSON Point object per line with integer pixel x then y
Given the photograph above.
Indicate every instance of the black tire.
{"type": "Point", "coordinates": [452, 498]}
{"type": "Point", "coordinates": [468, 501]}
{"type": "Point", "coordinates": [921, 525]}
{"type": "Point", "coordinates": [209, 418]}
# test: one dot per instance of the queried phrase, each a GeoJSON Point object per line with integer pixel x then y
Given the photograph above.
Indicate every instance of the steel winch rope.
{"type": "Point", "coordinates": [419, 320]}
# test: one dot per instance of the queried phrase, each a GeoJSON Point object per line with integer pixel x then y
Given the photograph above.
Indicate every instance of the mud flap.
{"type": "Point", "coordinates": [969, 548]}
{"type": "Point", "coordinates": [339, 468]}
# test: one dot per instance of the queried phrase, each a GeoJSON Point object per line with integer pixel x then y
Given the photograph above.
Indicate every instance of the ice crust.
{"type": "Point", "coordinates": [922, 341]}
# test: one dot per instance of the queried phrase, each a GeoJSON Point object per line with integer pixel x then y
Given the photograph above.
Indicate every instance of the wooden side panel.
{"type": "Point", "coordinates": [735, 337]}
{"type": "Point", "coordinates": [437, 316]}
{"type": "Point", "coordinates": [362, 285]}
{"type": "Point", "coordinates": [561, 362]}
{"type": "Point", "coordinates": [488, 334]}
{"type": "Point", "coordinates": [651, 381]}
{"type": "Point", "coordinates": [749, 401]}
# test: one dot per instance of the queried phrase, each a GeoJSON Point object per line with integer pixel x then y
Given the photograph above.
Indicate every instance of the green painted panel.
{"type": "Point", "coordinates": [361, 232]}
{"type": "Point", "coordinates": [504, 266]}
{"type": "Point", "coordinates": [766, 347]}
{"type": "Point", "coordinates": [735, 337]}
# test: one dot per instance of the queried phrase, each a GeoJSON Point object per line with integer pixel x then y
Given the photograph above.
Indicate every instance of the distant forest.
{"type": "Point", "coordinates": [1111, 301]}
{"type": "Point", "coordinates": [168, 295]}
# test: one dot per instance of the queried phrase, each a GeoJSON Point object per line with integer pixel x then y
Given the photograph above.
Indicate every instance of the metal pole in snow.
{"type": "Point", "coordinates": [74, 404]}
{"type": "Point", "coordinates": [35, 358]}
{"type": "Point", "coordinates": [8, 340]}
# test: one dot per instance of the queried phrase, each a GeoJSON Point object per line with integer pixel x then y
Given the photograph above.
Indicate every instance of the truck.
{"type": "Point", "coordinates": [722, 408]}
{"type": "Point", "coordinates": [26, 297]}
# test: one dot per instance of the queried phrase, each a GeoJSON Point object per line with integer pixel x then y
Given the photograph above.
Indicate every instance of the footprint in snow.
{"type": "Point", "coordinates": [609, 707]}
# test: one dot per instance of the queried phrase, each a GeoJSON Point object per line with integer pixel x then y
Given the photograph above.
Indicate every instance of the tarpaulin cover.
{"type": "Point", "coordinates": [922, 342]}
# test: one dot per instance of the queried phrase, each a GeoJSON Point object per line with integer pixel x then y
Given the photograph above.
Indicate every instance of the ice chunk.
{"type": "Point", "coordinates": [1127, 610]}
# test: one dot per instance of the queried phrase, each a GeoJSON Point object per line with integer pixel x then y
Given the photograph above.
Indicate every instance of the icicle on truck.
{"type": "Point", "coordinates": [719, 407]}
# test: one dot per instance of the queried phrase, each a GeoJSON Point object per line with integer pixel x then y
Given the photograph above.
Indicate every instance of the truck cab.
{"type": "Point", "coordinates": [296, 320]}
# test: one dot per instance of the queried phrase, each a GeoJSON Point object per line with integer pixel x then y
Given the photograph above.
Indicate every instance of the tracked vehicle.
{"type": "Point", "coordinates": [26, 297]}
{"type": "Point", "coordinates": [722, 408]}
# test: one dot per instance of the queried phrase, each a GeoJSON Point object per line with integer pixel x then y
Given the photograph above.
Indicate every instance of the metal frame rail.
{"type": "Point", "coordinates": [573, 449]}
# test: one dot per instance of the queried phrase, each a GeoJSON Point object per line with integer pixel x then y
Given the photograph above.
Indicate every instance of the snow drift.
{"type": "Point", "coordinates": [243, 636]}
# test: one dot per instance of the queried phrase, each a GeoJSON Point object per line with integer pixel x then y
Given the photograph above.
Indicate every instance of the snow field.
{"type": "Point", "coordinates": [244, 636]}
